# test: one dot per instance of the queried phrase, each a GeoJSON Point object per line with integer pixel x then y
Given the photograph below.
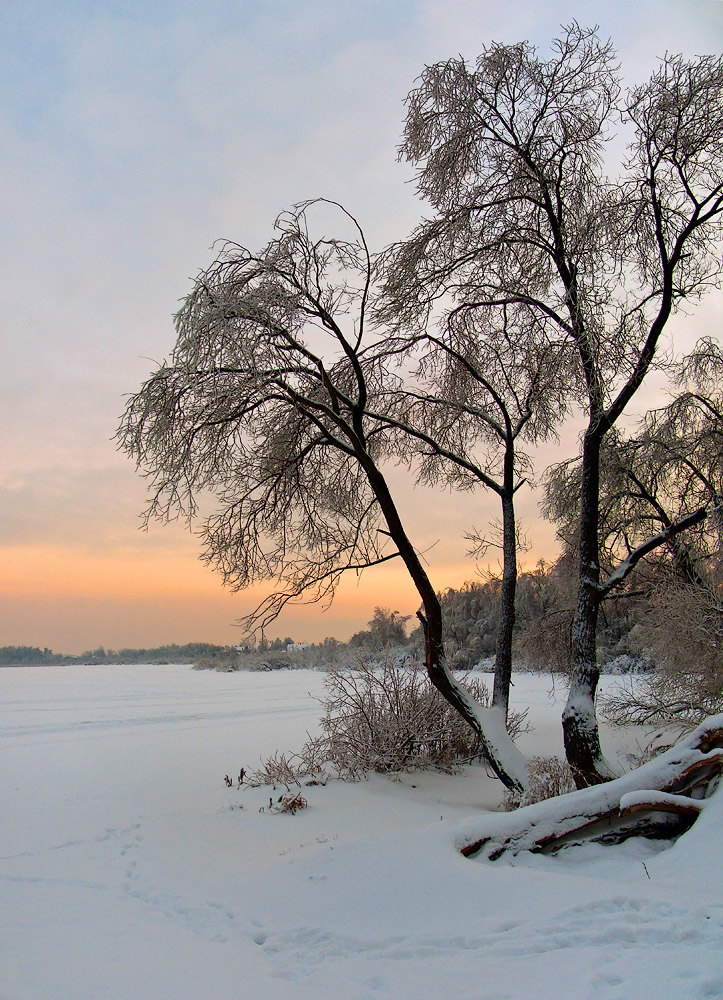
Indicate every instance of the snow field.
{"type": "Point", "coordinates": [128, 869]}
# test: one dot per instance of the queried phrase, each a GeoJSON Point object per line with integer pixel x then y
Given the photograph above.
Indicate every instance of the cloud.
{"type": "Point", "coordinates": [88, 509]}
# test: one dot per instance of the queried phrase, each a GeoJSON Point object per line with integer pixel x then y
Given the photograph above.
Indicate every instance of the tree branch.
{"type": "Point", "coordinates": [626, 567]}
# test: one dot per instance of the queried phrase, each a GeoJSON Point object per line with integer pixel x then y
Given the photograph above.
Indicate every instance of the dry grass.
{"type": "Point", "coordinates": [290, 803]}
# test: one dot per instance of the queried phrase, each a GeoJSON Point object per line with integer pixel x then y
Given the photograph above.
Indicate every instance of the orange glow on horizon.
{"type": "Point", "coordinates": [57, 570]}
{"type": "Point", "coordinates": [73, 600]}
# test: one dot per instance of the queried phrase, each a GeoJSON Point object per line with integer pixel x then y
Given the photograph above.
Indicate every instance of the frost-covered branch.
{"type": "Point", "coordinates": [625, 568]}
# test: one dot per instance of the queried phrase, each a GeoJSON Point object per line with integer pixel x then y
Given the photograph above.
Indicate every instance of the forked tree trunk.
{"type": "Point", "coordinates": [579, 723]}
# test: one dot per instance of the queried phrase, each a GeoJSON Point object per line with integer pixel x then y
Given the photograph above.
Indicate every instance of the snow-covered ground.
{"type": "Point", "coordinates": [129, 870]}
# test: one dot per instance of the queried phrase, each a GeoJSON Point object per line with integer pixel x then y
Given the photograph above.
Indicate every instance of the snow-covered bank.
{"type": "Point", "coordinates": [128, 870]}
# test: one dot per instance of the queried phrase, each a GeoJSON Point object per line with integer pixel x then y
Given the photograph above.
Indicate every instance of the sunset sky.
{"type": "Point", "coordinates": [134, 135]}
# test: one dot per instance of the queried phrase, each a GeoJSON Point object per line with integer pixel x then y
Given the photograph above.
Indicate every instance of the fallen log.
{"type": "Point", "coordinates": [656, 800]}
{"type": "Point", "coordinates": [650, 801]}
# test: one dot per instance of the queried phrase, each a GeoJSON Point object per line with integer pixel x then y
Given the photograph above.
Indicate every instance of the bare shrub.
{"type": "Point", "coordinates": [277, 769]}
{"type": "Point", "coordinates": [646, 752]}
{"type": "Point", "coordinates": [549, 777]}
{"type": "Point", "coordinates": [391, 719]}
{"type": "Point", "coordinates": [382, 718]}
{"type": "Point", "coordinates": [675, 701]}
{"type": "Point", "coordinates": [684, 633]}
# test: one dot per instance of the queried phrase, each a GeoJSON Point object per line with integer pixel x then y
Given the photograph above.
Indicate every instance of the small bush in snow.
{"type": "Point", "coordinates": [382, 718]}
{"type": "Point", "coordinates": [224, 660]}
{"type": "Point", "coordinates": [549, 777]}
{"type": "Point", "coordinates": [291, 802]}
{"type": "Point", "coordinates": [278, 769]}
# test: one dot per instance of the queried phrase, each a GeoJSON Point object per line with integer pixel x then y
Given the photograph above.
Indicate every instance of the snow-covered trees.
{"type": "Point", "coordinates": [553, 283]}
{"type": "Point", "coordinates": [386, 629]}
{"type": "Point", "coordinates": [510, 154]}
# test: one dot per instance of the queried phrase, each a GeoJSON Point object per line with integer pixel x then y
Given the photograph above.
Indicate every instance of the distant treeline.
{"type": "Point", "coordinates": [544, 607]}
{"type": "Point", "coordinates": [34, 656]}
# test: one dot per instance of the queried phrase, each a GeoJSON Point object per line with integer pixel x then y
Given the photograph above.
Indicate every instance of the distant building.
{"type": "Point", "coordinates": [293, 647]}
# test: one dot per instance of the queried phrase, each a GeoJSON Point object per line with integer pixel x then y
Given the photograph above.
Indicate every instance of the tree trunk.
{"type": "Point", "coordinates": [503, 659]}
{"type": "Point", "coordinates": [579, 723]}
{"type": "Point", "coordinates": [488, 723]}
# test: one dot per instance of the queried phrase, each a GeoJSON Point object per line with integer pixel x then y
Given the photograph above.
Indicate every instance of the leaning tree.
{"type": "Point", "coordinates": [282, 401]}
{"type": "Point", "coordinates": [511, 155]}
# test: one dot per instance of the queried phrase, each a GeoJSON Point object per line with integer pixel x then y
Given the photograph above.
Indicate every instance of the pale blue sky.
{"type": "Point", "coordinates": [133, 135]}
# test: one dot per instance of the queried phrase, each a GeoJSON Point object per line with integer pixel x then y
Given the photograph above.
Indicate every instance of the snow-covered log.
{"type": "Point", "coordinates": [650, 801]}
{"type": "Point", "coordinates": [661, 798]}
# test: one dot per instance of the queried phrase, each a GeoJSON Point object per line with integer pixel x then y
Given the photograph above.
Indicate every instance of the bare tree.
{"type": "Point", "coordinates": [510, 154]}
{"type": "Point", "coordinates": [280, 400]}
{"type": "Point", "coordinates": [483, 399]}
{"type": "Point", "coordinates": [669, 473]}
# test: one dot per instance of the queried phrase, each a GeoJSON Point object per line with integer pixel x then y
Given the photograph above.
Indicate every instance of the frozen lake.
{"type": "Point", "coordinates": [129, 870]}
